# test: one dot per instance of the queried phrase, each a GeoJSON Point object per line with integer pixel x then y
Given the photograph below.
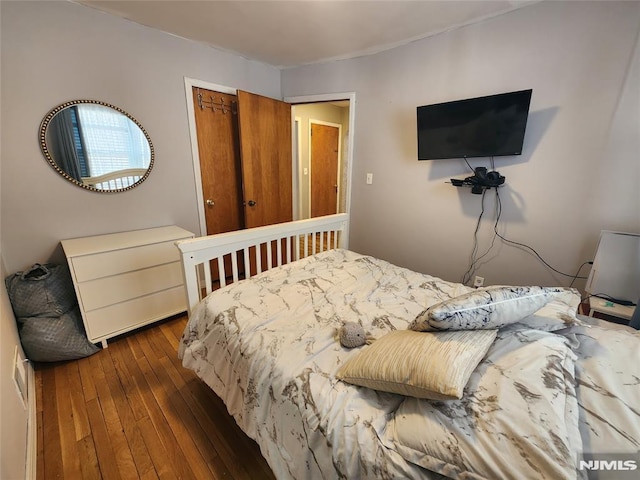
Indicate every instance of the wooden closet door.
{"type": "Point", "coordinates": [220, 167]}
{"type": "Point", "coordinates": [265, 149]}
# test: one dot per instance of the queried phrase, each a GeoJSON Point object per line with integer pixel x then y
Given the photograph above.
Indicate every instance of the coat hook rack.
{"type": "Point", "coordinates": [216, 105]}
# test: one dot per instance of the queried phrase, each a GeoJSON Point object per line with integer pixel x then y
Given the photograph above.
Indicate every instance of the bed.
{"type": "Point", "coordinates": [545, 394]}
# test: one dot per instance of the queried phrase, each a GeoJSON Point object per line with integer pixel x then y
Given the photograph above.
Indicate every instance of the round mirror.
{"type": "Point", "coordinates": [96, 146]}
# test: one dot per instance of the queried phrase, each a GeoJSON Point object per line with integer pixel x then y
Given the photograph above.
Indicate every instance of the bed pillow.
{"type": "Point", "coordinates": [561, 312]}
{"type": "Point", "coordinates": [418, 364]}
{"type": "Point", "coordinates": [486, 308]}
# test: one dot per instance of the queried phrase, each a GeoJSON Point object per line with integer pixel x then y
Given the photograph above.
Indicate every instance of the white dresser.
{"type": "Point", "coordinates": [126, 280]}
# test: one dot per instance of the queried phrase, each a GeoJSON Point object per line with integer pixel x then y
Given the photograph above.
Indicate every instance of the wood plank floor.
{"type": "Point", "coordinates": [132, 411]}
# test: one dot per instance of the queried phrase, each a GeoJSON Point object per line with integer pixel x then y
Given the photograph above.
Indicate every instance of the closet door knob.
{"type": "Point", "coordinates": [251, 203]}
{"type": "Point", "coordinates": [210, 203]}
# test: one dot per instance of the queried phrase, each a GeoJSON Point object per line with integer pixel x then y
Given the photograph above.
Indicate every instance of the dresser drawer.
{"type": "Point", "coordinates": [125, 280]}
{"type": "Point", "coordinates": [122, 317]}
{"type": "Point", "coordinates": [105, 264]}
{"type": "Point", "coordinates": [104, 291]}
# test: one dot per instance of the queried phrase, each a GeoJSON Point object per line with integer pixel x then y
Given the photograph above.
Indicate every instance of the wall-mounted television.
{"type": "Point", "coordinates": [488, 126]}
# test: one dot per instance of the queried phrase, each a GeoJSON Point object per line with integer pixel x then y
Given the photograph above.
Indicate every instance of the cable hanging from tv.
{"type": "Point", "coordinates": [475, 259]}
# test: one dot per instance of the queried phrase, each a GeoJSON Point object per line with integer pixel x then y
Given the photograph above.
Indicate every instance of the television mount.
{"type": "Point", "coordinates": [480, 181]}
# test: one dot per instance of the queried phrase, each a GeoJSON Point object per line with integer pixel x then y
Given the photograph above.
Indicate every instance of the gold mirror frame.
{"type": "Point", "coordinates": [45, 149]}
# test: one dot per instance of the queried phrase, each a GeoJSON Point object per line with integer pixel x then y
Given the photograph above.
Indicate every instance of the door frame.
{"type": "Point", "coordinates": [189, 83]}
{"type": "Point", "coordinates": [330, 97]}
{"type": "Point", "coordinates": [313, 121]}
{"type": "Point", "coordinates": [298, 176]}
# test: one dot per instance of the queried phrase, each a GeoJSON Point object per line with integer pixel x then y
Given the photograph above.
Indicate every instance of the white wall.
{"type": "Point", "coordinates": [616, 180]}
{"type": "Point", "coordinates": [14, 417]}
{"type": "Point", "coordinates": [576, 57]}
{"type": "Point", "coordinates": [55, 51]}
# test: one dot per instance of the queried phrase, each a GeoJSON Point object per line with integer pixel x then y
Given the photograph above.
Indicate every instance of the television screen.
{"type": "Point", "coordinates": [477, 127]}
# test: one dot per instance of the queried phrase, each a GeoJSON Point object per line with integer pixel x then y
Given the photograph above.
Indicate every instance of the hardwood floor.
{"type": "Point", "coordinates": [132, 411]}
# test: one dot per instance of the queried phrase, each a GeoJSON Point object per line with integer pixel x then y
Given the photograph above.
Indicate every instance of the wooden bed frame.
{"type": "Point", "coordinates": [300, 238]}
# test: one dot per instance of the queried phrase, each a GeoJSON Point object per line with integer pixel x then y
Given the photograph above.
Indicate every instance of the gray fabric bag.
{"type": "Point", "coordinates": [43, 290]}
{"type": "Point", "coordinates": [49, 320]}
{"type": "Point", "coordinates": [54, 339]}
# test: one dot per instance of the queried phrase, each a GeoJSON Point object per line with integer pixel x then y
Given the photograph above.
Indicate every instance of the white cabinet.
{"type": "Point", "coordinates": [126, 280]}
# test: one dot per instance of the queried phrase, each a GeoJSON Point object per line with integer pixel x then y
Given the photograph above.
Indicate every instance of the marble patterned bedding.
{"type": "Point", "coordinates": [268, 347]}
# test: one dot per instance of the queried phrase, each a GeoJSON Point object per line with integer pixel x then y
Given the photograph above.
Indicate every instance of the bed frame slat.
{"type": "Point", "coordinates": [258, 258]}
{"type": "Point", "coordinates": [222, 272]}
{"type": "Point", "coordinates": [269, 257]}
{"type": "Point", "coordinates": [279, 251]}
{"type": "Point", "coordinates": [198, 253]}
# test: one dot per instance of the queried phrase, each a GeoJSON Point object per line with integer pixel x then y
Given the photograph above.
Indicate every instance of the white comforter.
{"type": "Point", "coordinates": [267, 346]}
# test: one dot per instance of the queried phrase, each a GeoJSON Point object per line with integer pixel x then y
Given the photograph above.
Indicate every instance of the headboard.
{"type": "Point", "coordinates": [243, 253]}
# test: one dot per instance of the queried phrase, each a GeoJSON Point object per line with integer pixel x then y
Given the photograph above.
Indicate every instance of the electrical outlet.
{"type": "Point", "coordinates": [478, 281]}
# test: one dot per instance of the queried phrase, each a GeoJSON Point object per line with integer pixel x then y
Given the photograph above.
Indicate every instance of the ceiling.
{"type": "Point", "coordinates": [291, 33]}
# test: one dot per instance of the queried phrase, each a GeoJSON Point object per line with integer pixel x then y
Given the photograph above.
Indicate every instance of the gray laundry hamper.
{"type": "Point", "coordinates": [46, 309]}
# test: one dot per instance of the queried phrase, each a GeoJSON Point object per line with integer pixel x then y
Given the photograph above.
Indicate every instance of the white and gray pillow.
{"type": "Point", "coordinates": [485, 309]}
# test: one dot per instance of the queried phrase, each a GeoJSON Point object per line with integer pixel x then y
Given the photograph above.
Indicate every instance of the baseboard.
{"type": "Point", "coordinates": [32, 426]}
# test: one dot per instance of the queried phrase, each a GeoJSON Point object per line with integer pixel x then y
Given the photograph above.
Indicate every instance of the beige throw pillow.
{"type": "Point", "coordinates": [419, 364]}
